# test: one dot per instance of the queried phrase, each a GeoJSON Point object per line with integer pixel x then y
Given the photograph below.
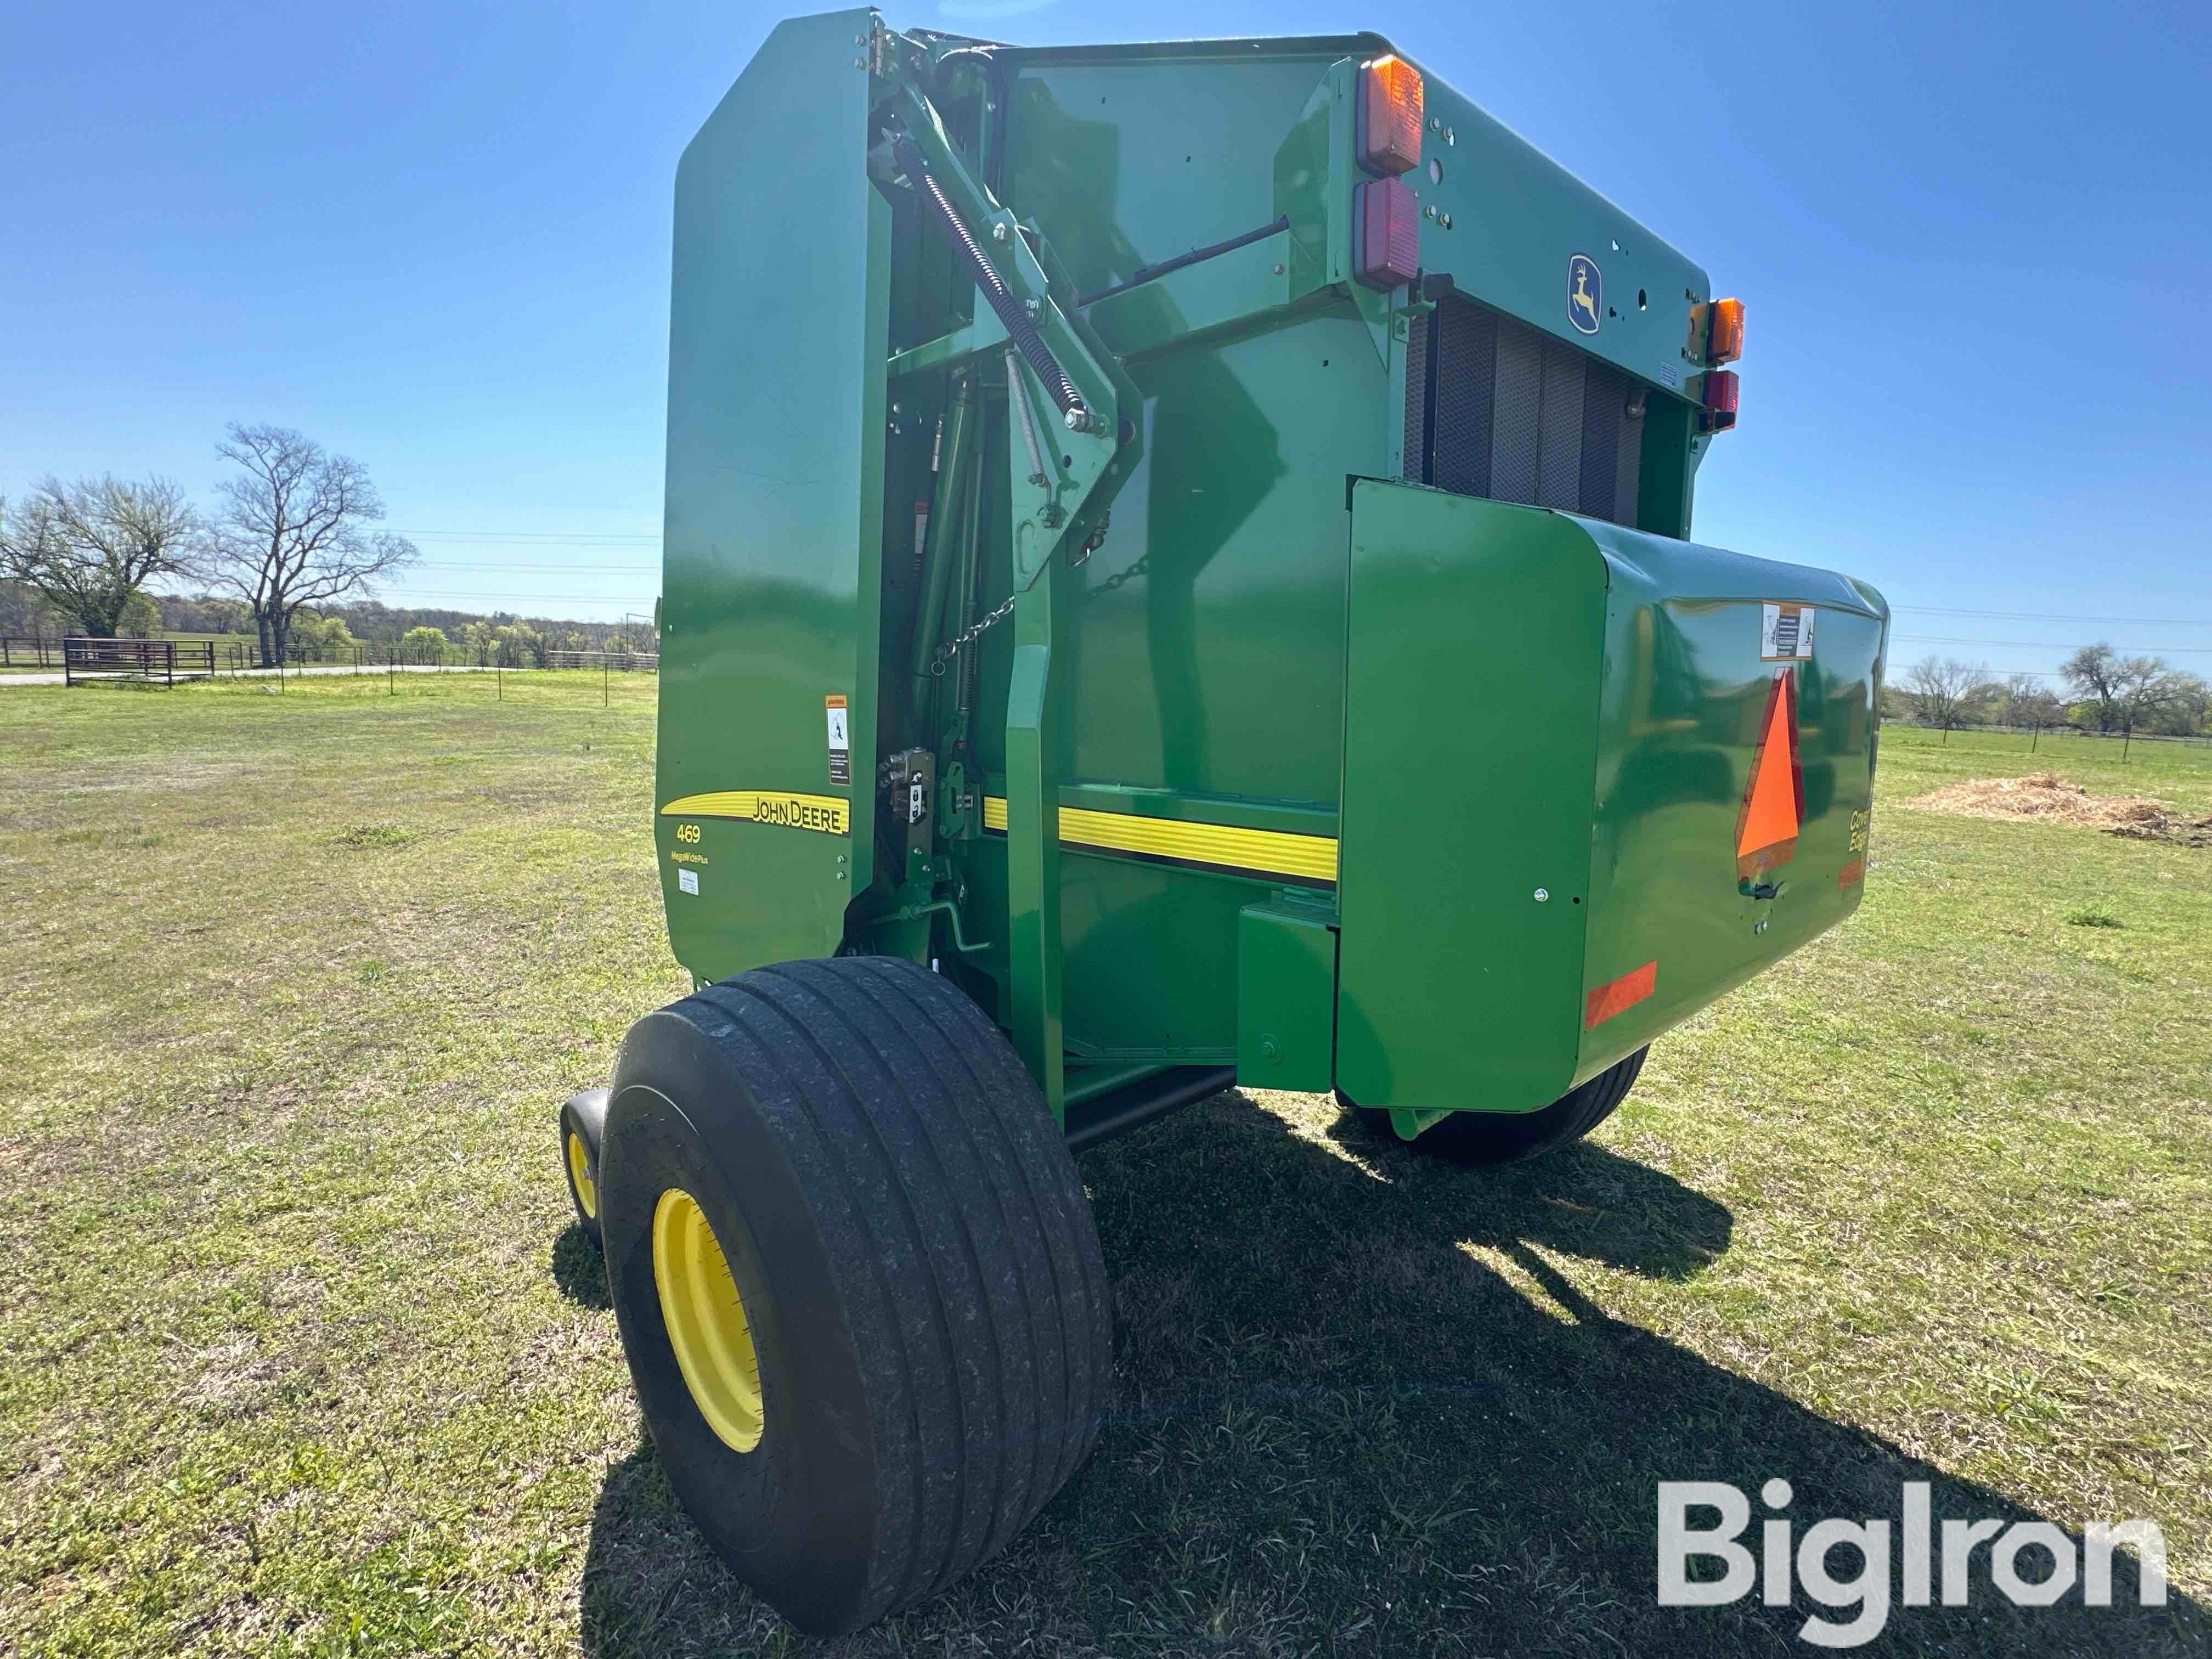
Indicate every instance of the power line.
{"type": "Point", "coordinates": [519, 565]}
{"type": "Point", "coordinates": [2054, 645]}
{"type": "Point", "coordinates": [2038, 615]}
{"type": "Point", "coordinates": [402, 601]}
{"type": "Point", "coordinates": [526, 537]}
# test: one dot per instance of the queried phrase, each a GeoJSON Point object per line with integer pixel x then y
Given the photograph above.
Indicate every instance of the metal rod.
{"type": "Point", "coordinates": [945, 513]}
{"type": "Point", "coordinates": [1092, 1081]}
{"type": "Point", "coordinates": [916, 912]}
{"type": "Point", "coordinates": [971, 536]}
{"type": "Point", "coordinates": [1140, 1103]}
{"type": "Point", "coordinates": [1148, 273]}
{"type": "Point", "coordinates": [1020, 397]}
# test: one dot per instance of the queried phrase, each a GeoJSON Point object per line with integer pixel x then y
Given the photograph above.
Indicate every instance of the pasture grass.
{"type": "Point", "coordinates": [300, 1352]}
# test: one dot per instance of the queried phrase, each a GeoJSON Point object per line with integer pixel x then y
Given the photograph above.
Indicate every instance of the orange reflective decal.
{"type": "Point", "coordinates": [1774, 800]}
{"type": "Point", "coordinates": [1618, 995]}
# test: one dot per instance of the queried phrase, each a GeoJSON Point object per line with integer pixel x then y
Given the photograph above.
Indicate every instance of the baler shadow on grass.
{"type": "Point", "coordinates": [579, 1270]}
{"type": "Point", "coordinates": [1359, 1408]}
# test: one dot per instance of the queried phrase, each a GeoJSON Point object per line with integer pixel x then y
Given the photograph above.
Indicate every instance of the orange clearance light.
{"type": "Point", "coordinates": [1389, 126]}
{"type": "Point", "coordinates": [1717, 328]}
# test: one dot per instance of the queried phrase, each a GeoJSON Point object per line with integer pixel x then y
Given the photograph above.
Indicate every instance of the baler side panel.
{"type": "Point", "coordinates": [1687, 699]}
{"type": "Point", "coordinates": [773, 515]}
{"type": "Point", "coordinates": [1470, 724]}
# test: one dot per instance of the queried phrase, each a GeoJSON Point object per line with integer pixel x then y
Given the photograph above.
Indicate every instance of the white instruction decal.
{"type": "Point", "coordinates": [1785, 633]}
{"type": "Point", "coordinates": [687, 881]}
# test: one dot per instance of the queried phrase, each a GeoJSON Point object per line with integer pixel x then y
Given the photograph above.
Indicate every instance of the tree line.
{"type": "Point", "coordinates": [2109, 693]}
{"type": "Point", "coordinates": [293, 528]}
{"type": "Point", "coordinates": [289, 554]}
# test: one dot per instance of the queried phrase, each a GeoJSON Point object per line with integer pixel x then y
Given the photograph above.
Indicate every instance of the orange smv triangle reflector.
{"type": "Point", "coordinates": [1774, 801]}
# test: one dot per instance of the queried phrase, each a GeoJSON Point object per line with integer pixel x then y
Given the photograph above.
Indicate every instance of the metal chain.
{"type": "Point", "coordinates": [1091, 544]}
{"type": "Point", "coordinates": [1120, 576]}
{"type": "Point", "coordinates": [950, 649]}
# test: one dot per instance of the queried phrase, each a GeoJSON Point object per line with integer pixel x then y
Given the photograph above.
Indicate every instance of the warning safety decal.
{"type": "Point", "coordinates": [841, 739]}
{"type": "Point", "coordinates": [1786, 632]}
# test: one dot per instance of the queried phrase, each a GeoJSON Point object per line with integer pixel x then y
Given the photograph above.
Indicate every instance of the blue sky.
{"type": "Point", "coordinates": [1971, 240]}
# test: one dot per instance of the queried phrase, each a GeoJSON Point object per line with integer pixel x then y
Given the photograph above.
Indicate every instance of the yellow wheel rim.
{"type": "Point", "coordinates": [580, 1173]}
{"type": "Point", "coordinates": [706, 1321]}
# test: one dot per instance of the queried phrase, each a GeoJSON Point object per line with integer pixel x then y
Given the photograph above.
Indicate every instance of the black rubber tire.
{"type": "Point", "coordinates": [1509, 1137]}
{"type": "Point", "coordinates": [915, 1256]}
{"type": "Point", "coordinates": [584, 1115]}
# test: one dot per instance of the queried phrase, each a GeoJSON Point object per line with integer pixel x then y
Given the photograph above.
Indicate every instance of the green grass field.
{"type": "Point", "coordinates": [301, 1354]}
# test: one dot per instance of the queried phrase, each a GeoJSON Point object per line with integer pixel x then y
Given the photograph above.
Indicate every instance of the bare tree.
{"type": "Point", "coordinates": [2027, 701]}
{"type": "Point", "coordinates": [292, 530]}
{"type": "Point", "coordinates": [2131, 691]}
{"type": "Point", "coordinates": [85, 548]}
{"type": "Point", "coordinates": [1946, 691]}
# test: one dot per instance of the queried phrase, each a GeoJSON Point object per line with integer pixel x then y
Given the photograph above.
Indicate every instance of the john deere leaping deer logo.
{"type": "Point", "coordinates": [1585, 293]}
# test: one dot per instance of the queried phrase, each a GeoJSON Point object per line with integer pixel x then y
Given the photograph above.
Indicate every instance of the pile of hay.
{"type": "Point", "coordinates": [2046, 797]}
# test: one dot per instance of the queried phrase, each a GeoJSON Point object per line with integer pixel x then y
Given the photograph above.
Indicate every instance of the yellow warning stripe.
{"type": "Point", "coordinates": [827, 813]}
{"type": "Point", "coordinates": [1272, 851]}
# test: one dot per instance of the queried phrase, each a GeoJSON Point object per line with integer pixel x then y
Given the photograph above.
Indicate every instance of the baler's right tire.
{"type": "Point", "coordinates": [1508, 1137]}
{"type": "Point", "coordinates": [583, 1125]}
{"type": "Point", "coordinates": [857, 1278]}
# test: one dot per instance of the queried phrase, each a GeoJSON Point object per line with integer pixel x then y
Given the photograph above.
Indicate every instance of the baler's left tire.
{"type": "Point", "coordinates": [857, 1278]}
{"type": "Point", "coordinates": [1509, 1137]}
{"type": "Point", "coordinates": [583, 1122]}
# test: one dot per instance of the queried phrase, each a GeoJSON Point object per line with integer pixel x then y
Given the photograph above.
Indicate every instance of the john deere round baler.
{"type": "Point", "coordinates": [1176, 575]}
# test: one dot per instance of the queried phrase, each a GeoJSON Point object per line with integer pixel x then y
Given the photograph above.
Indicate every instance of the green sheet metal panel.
{"type": "Point", "coordinates": [1542, 702]}
{"type": "Point", "coordinates": [777, 337]}
{"type": "Point", "coordinates": [1470, 723]}
{"type": "Point", "coordinates": [1686, 696]}
{"type": "Point", "coordinates": [1518, 220]}
{"type": "Point", "coordinates": [1286, 993]}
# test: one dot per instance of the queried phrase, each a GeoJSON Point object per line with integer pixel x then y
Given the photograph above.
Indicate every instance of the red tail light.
{"type": "Point", "coordinates": [1386, 234]}
{"type": "Point", "coordinates": [1719, 398]}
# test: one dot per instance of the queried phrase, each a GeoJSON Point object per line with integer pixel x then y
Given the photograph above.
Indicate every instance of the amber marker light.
{"type": "Point", "coordinates": [1717, 327]}
{"type": "Point", "coordinates": [1390, 103]}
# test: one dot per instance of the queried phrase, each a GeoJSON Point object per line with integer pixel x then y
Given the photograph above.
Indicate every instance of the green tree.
{"type": "Point", "coordinates": [86, 548]}
{"type": "Point", "coordinates": [2126, 693]}
{"type": "Point", "coordinates": [423, 644]}
{"type": "Point", "coordinates": [322, 633]}
{"type": "Point", "coordinates": [140, 619]}
{"type": "Point", "coordinates": [518, 645]}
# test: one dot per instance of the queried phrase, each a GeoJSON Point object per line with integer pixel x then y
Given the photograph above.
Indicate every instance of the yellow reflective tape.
{"type": "Point", "coordinates": [827, 813]}
{"type": "Point", "coordinates": [1274, 851]}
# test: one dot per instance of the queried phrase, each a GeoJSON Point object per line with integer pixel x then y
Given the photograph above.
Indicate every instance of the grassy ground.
{"type": "Point", "coordinates": [299, 1352]}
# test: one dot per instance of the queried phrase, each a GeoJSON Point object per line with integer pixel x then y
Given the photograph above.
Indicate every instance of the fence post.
{"type": "Point", "coordinates": [603, 679]}
{"type": "Point", "coordinates": [2125, 743]}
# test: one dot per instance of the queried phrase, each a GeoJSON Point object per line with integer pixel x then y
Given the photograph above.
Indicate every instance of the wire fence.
{"type": "Point", "coordinates": [2035, 738]}
{"type": "Point", "coordinates": [234, 656]}
{"type": "Point", "coordinates": [30, 651]}
{"type": "Point", "coordinates": [241, 658]}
